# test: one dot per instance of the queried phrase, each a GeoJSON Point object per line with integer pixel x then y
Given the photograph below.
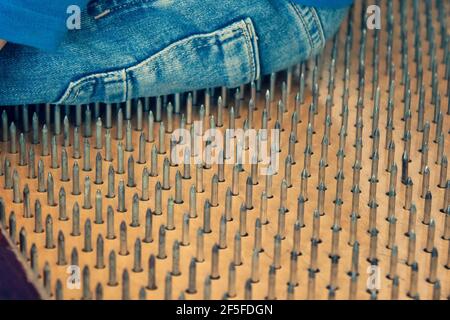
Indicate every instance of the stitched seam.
{"type": "Point", "coordinates": [70, 92]}
{"type": "Point", "coordinates": [250, 53]}
{"type": "Point", "coordinates": [116, 8]}
{"type": "Point", "coordinates": [305, 25]}
{"type": "Point", "coordinates": [254, 48]}
{"type": "Point", "coordinates": [319, 26]}
{"type": "Point", "coordinates": [190, 40]}
{"type": "Point", "coordinates": [180, 55]}
{"type": "Point", "coordinates": [78, 85]}
{"type": "Point", "coordinates": [77, 94]}
{"type": "Point", "coordinates": [83, 82]}
{"type": "Point", "coordinates": [126, 86]}
{"type": "Point", "coordinates": [91, 81]}
{"type": "Point", "coordinates": [237, 29]}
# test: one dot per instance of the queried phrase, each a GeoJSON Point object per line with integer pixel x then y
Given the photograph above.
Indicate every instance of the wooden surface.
{"type": "Point", "coordinates": [219, 287]}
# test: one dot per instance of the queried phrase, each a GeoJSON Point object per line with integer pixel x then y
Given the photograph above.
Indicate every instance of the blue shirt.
{"type": "Point", "coordinates": [42, 23]}
{"type": "Point", "coordinates": [37, 23]}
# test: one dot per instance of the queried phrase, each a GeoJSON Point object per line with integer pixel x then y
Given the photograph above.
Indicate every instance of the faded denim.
{"type": "Point", "coordinates": [140, 48]}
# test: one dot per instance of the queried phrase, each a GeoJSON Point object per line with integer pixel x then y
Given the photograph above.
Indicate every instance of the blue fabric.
{"type": "Point", "coordinates": [326, 3]}
{"type": "Point", "coordinates": [128, 49]}
{"type": "Point", "coordinates": [41, 24]}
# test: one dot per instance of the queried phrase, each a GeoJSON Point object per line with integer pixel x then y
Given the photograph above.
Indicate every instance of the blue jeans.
{"type": "Point", "coordinates": [141, 48]}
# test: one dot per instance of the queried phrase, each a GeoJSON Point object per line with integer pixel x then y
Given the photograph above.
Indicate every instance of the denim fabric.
{"type": "Point", "coordinates": [135, 48]}
{"type": "Point", "coordinates": [326, 3]}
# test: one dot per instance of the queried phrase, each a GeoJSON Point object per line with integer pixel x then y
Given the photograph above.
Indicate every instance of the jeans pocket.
{"type": "Point", "coordinates": [227, 57]}
{"type": "Point", "coordinates": [309, 21]}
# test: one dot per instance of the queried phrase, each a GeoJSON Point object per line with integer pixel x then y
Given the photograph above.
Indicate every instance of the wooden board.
{"type": "Point", "coordinates": [219, 287]}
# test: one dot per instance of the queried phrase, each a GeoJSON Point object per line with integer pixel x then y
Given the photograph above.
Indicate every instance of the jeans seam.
{"type": "Point", "coordinates": [79, 84]}
{"type": "Point", "coordinates": [249, 51]}
{"type": "Point", "coordinates": [255, 50]}
{"type": "Point", "coordinates": [238, 29]}
{"type": "Point", "coordinates": [125, 84]}
{"type": "Point", "coordinates": [299, 15]}
{"type": "Point", "coordinates": [252, 53]}
{"type": "Point", "coordinates": [319, 24]}
{"type": "Point", "coordinates": [115, 8]}
{"type": "Point", "coordinates": [187, 40]}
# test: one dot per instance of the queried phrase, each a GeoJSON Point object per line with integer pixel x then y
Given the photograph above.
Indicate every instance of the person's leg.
{"type": "Point", "coordinates": [133, 48]}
